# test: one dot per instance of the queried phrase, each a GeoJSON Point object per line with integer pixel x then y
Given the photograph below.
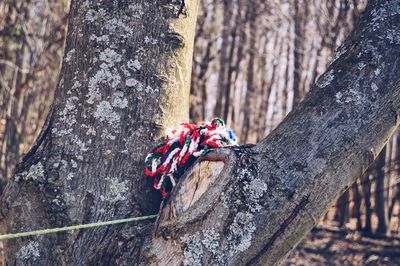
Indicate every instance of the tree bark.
{"type": "Point", "coordinates": [236, 206]}
{"type": "Point", "coordinates": [124, 80]}
{"type": "Point", "coordinates": [265, 198]}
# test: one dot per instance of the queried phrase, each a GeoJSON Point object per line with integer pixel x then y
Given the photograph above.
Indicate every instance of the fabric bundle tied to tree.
{"type": "Point", "coordinates": [169, 160]}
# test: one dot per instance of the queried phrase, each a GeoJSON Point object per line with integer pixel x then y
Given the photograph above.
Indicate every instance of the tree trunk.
{"type": "Point", "coordinates": [366, 187]}
{"type": "Point", "coordinates": [124, 80]}
{"type": "Point", "coordinates": [342, 209]}
{"type": "Point", "coordinates": [222, 102]}
{"type": "Point", "coordinates": [249, 106]}
{"type": "Point", "coordinates": [381, 205]}
{"type": "Point", "coordinates": [264, 199]}
{"type": "Point", "coordinates": [356, 211]}
{"type": "Point", "coordinates": [396, 171]}
{"type": "Point", "coordinates": [87, 163]}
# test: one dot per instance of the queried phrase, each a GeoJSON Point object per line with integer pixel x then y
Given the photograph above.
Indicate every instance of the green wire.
{"type": "Point", "coordinates": [75, 227]}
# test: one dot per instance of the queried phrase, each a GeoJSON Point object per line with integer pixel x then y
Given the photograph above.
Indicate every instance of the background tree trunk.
{"type": "Point", "coordinates": [367, 197]}
{"type": "Point", "coordinates": [381, 206]}
{"type": "Point", "coordinates": [357, 206]}
{"type": "Point", "coordinates": [342, 209]}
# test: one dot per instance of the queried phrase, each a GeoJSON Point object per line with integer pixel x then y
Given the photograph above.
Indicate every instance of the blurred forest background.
{"type": "Point", "coordinates": [253, 63]}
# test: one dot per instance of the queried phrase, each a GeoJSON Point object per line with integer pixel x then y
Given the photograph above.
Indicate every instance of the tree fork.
{"type": "Point", "coordinates": [250, 205]}
{"type": "Point", "coordinates": [265, 199]}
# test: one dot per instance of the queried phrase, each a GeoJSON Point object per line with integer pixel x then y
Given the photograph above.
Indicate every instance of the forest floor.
{"type": "Point", "coordinates": [333, 246]}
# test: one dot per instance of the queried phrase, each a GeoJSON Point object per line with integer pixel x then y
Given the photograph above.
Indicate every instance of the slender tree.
{"type": "Point", "coordinates": [381, 205]}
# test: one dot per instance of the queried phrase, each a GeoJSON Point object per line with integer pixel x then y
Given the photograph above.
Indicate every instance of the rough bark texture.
{"type": "Point", "coordinates": [125, 78]}
{"type": "Point", "coordinates": [32, 34]}
{"type": "Point", "coordinates": [268, 196]}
